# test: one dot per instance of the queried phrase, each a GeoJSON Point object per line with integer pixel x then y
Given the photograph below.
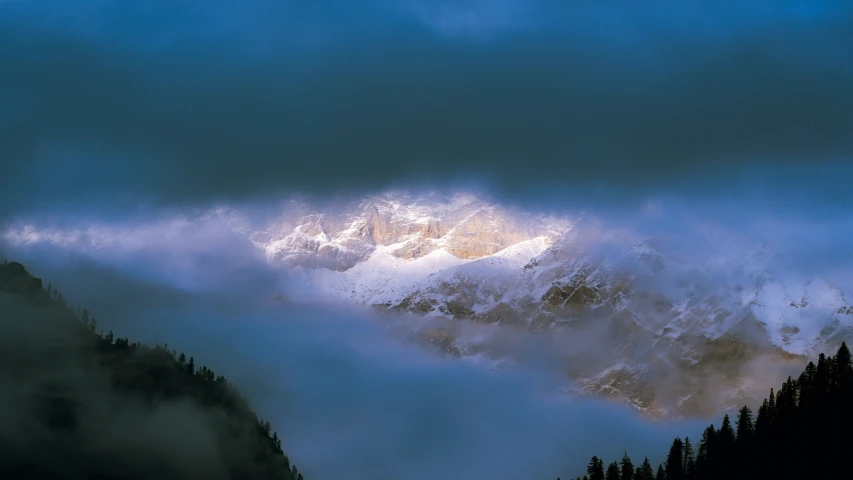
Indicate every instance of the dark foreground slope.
{"type": "Point", "coordinates": [78, 405]}
{"type": "Point", "coordinates": [802, 431]}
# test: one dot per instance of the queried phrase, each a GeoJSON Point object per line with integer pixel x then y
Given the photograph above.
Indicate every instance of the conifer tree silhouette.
{"type": "Point", "coordinates": [689, 466]}
{"type": "Point", "coordinates": [645, 471]}
{"type": "Point", "coordinates": [626, 468]}
{"type": "Point", "coordinates": [595, 469]}
{"type": "Point", "coordinates": [613, 472]}
{"type": "Point", "coordinates": [675, 460]}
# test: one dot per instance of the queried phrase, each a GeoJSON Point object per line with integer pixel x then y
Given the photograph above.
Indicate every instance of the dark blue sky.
{"type": "Point", "coordinates": [107, 104]}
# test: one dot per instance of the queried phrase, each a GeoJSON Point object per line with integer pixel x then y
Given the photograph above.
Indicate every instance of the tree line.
{"type": "Point", "coordinates": [801, 431]}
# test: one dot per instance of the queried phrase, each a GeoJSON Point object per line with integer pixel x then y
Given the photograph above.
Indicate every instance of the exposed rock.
{"type": "Point", "coordinates": [441, 341]}
{"type": "Point", "coordinates": [502, 313]}
{"type": "Point", "coordinates": [580, 296]}
{"type": "Point", "coordinates": [577, 297]}
{"type": "Point", "coordinates": [459, 308]}
{"type": "Point", "coordinates": [788, 332]}
{"type": "Point", "coordinates": [415, 304]}
{"type": "Point", "coordinates": [555, 296]}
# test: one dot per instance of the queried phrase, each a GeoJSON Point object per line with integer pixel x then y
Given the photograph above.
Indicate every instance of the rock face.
{"type": "Point", "coordinates": [670, 334]}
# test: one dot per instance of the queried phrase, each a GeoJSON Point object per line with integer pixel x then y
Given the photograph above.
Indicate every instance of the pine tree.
{"type": "Point", "coordinates": [627, 468]}
{"type": "Point", "coordinates": [806, 381]}
{"type": "Point", "coordinates": [689, 466]}
{"type": "Point", "coordinates": [595, 469]}
{"type": "Point", "coordinates": [745, 428]}
{"type": "Point", "coordinates": [675, 460]}
{"type": "Point", "coordinates": [843, 369]}
{"type": "Point", "coordinates": [786, 404]}
{"type": "Point", "coordinates": [661, 475]}
{"type": "Point", "coordinates": [726, 446]}
{"type": "Point", "coordinates": [613, 472]}
{"type": "Point", "coordinates": [645, 471]}
{"type": "Point", "coordinates": [726, 433]}
{"type": "Point", "coordinates": [277, 443]}
{"type": "Point", "coordinates": [706, 459]}
{"type": "Point", "coordinates": [822, 379]}
{"type": "Point", "coordinates": [762, 422]}
{"type": "Point", "coordinates": [743, 442]}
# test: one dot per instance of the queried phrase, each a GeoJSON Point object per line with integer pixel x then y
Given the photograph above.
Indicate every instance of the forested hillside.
{"type": "Point", "coordinates": [78, 403]}
{"type": "Point", "coordinates": [801, 431]}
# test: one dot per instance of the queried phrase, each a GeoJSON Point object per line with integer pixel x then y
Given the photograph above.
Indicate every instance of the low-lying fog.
{"type": "Point", "coordinates": [351, 400]}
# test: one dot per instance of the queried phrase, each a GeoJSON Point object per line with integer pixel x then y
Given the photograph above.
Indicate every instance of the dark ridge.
{"type": "Point", "coordinates": [76, 404]}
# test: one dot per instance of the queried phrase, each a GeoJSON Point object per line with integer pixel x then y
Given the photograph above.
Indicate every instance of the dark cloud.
{"type": "Point", "coordinates": [109, 106]}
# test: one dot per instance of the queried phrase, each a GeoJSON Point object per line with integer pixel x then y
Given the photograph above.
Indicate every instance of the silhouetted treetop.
{"type": "Point", "coordinates": [800, 432]}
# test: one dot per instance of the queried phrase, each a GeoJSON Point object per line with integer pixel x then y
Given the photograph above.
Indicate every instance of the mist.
{"type": "Point", "coordinates": [63, 415]}
{"type": "Point", "coordinates": [347, 389]}
{"type": "Point", "coordinates": [350, 398]}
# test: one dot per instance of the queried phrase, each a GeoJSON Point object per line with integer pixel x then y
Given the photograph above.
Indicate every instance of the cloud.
{"type": "Point", "coordinates": [473, 19]}
{"type": "Point", "coordinates": [330, 377]}
{"type": "Point", "coordinates": [350, 401]}
{"type": "Point", "coordinates": [606, 101]}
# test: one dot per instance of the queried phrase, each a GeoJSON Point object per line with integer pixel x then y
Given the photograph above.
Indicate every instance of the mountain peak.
{"type": "Point", "coordinates": [407, 226]}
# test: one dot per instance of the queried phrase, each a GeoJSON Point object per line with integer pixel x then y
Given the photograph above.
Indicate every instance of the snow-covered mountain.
{"type": "Point", "coordinates": [670, 332]}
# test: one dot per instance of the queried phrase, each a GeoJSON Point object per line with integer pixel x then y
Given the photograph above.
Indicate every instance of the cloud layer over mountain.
{"type": "Point", "coordinates": [352, 402]}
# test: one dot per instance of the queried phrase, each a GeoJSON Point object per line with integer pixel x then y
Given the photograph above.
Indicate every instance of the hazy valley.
{"type": "Point", "coordinates": [622, 314]}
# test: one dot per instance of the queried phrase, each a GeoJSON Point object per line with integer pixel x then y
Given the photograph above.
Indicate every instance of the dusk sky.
{"type": "Point", "coordinates": [108, 104]}
{"type": "Point", "coordinates": [726, 122]}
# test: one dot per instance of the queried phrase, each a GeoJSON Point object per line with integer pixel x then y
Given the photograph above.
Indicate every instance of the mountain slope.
{"type": "Point", "coordinates": [78, 405]}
